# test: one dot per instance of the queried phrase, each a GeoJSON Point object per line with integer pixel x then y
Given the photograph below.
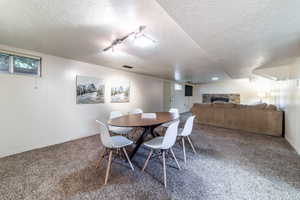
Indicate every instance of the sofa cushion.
{"type": "Point", "coordinates": [203, 105]}
{"type": "Point", "coordinates": [260, 106]}
{"type": "Point", "coordinates": [241, 106]}
{"type": "Point", "coordinates": [224, 105]}
{"type": "Point", "coordinates": [271, 107]}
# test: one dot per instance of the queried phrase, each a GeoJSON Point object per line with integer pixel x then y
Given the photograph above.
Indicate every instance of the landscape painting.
{"type": "Point", "coordinates": [120, 91]}
{"type": "Point", "coordinates": [89, 90]}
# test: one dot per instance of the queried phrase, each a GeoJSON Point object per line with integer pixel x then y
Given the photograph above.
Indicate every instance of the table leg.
{"type": "Point", "coordinates": [141, 139]}
{"type": "Point", "coordinates": [139, 142]}
{"type": "Point", "coordinates": [153, 132]}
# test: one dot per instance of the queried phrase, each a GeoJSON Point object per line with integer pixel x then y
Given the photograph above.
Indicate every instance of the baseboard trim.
{"type": "Point", "coordinates": [294, 146]}
{"type": "Point", "coordinates": [44, 146]}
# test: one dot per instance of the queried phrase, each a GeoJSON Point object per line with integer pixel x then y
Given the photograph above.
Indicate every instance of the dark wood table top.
{"type": "Point", "coordinates": [136, 120]}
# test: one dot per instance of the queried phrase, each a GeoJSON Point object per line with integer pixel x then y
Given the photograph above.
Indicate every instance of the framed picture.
{"type": "Point", "coordinates": [120, 91]}
{"type": "Point", "coordinates": [89, 90]}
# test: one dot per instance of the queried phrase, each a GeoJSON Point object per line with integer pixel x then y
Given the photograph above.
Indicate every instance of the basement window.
{"type": "Point", "coordinates": [4, 62]}
{"type": "Point", "coordinates": [26, 65]}
{"type": "Point", "coordinates": [15, 63]}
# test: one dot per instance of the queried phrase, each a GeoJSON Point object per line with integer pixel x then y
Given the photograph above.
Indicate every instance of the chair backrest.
{"type": "Point", "coordinates": [188, 126]}
{"type": "Point", "coordinates": [170, 136]}
{"type": "Point", "coordinates": [137, 111]}
{"type": "Point", "coordinates": [104, 135]}
{"type": "Point", "coordinates": [115, 114]}
{"type": "Point", "coordinates": [174, 111]}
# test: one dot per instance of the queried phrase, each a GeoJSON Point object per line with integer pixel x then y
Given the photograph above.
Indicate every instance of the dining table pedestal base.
{"type": "Point", "coordinates": [147, 130]}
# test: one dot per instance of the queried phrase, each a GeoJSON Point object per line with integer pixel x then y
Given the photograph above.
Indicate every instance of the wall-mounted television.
{"type": "Point", "coordinates": [188, 90]}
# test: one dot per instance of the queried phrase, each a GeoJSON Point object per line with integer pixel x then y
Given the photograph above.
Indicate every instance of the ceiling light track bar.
{"type": "Point", "coordinates": [138, 33]}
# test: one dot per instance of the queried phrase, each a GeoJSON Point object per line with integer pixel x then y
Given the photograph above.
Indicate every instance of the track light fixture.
{"type": "Point", "coordinates": [136, 34]}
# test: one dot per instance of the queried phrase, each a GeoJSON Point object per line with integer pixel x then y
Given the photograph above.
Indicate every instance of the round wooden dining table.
{"type": "Point", "coordinates": [148, 124]}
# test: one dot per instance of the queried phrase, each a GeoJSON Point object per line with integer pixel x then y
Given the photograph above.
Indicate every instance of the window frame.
{"type": "Point", "coordinates": [11, 64]}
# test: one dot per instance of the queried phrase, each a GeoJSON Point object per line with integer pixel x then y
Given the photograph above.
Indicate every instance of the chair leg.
{"type": "Point", "coordinates": [183, 148]}
{"type": "Point", "coordinates": [164, 168]}
{"type": "Point", "coordinates": [108, 167]}
{"type": "Point", "coordinates": [118, 153]}
{"type": "Point", "coordinates": [126, 155]}
{"type": "Point", "coordinates": [164, 130]}
{"type": "Point", "coordinates": [190, 141]}
{"type": "Point", "coordinates": [147, 160]}
{"type": "Point", "coordinates": [101, 157]}
{"type": "Point", "coordinates": [175, 158]}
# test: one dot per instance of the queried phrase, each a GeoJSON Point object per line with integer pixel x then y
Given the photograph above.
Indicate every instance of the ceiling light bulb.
{"type": "Point", "coordinates": [215, 78]}
{"type": "Point", "coordinates": [142, 42]}
{"type": "Point", "coordinates": [140, 39]}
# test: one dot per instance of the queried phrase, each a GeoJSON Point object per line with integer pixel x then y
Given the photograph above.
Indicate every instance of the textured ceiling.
{"type": "Point", "coordinates": [240, 34]}
{"type": "Point", "coordinates": [196, 39]}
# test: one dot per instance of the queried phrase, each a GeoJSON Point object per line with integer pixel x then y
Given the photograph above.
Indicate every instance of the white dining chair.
{"type": "Point", "coordinates": [136, 111]}
{"type": "Point", "coordinates": [112, 143]}
{"type": "Point", "coordinates": [175, 111]}
{"type": "Point", "coordinates": [163, 143]}
{"type": "Point", "coordinates": [185, 132]}
{"type": "Point", "coordinates": [116, 129]}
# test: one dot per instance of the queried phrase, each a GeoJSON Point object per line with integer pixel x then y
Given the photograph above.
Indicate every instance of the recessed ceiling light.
{"type": "Point", "coordinates": [127, 66]}
{"type": "Point", "coordinates": [215, 78]}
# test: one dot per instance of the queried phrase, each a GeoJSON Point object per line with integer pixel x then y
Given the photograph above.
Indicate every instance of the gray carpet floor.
{"type": "Point", "coordinates": [231, 165]}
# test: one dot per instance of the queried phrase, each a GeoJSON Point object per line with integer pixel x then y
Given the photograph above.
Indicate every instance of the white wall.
{"type": "Point", "coordinates": [176, 98]}
{"type": "Point", "coordinates": [290, 102]}
{"type": "Point", "coordinates": [37, 112]}
{"type": "Point", "coordinates": [288, 98]}
{"type": "Point", "coordinates": [248, 89]}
